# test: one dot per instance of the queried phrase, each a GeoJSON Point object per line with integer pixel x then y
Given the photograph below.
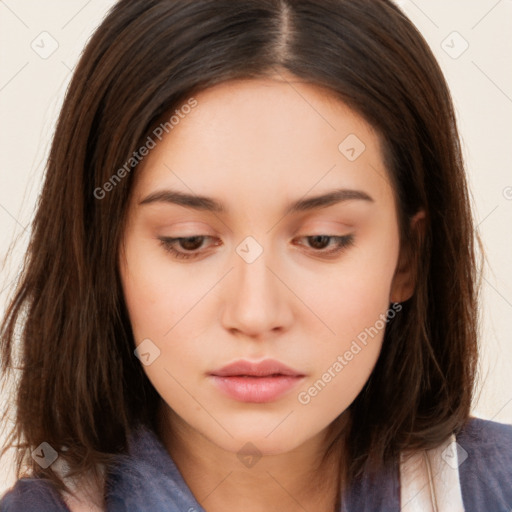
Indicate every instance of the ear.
{"type": "Point", "coordinates": [404, 280]}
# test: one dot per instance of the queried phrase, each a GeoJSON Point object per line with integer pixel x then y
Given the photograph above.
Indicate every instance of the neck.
{"type": "Point", "coordinates": [293, 481]}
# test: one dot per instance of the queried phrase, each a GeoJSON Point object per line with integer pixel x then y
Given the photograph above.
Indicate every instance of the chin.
{"type": "Point", "coordinates": [269, 437]}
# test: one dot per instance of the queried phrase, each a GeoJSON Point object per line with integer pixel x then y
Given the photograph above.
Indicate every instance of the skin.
{"type": "Point", "coordinates": [256, 146]}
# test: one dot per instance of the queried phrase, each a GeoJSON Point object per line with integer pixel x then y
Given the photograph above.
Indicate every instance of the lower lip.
{"type": "Point", "coordinates": [256, 389]}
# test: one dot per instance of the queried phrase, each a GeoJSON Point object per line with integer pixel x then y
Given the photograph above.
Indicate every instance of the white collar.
{"type": "Point", "coordinates": [429, 480]}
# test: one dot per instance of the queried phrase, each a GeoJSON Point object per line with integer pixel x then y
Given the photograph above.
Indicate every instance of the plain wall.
{"type": "Point", "coordinates": [32, 85]}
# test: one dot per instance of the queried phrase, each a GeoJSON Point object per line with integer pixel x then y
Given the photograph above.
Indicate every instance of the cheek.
{"type": "Point", "coordinates": [354, 303]}
{"type": "Point", "coordinates": [344, 361]}
{"type": "Point", "coordinates": [158, 295]}
{"type": "Point", "coordinates": [160, 299]}
{"type": "Point", "coordinates": [351, 296]}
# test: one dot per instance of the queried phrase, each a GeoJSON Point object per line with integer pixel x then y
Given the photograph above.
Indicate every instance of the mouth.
{"type": "Point", "coordinates": [260, 382]}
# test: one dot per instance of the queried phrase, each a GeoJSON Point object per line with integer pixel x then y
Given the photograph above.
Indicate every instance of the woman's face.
{"type": "Point", "coordinates": [261, 273]}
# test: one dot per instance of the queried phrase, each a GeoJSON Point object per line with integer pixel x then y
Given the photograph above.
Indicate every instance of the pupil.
{"type": "Point", "coordinates": [191, 243]}
{"type": "Point", "coordinates": [318, 239]}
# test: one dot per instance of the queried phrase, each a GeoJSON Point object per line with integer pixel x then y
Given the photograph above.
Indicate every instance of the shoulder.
{"type": "Point", "coordinates": [37, 494]}
{"type": "Point", "coordinates": [485, 464]}
{"type": "Point", "coordinates": [31, 495]}
{"type": "Point", "coordinates": [488, 442]}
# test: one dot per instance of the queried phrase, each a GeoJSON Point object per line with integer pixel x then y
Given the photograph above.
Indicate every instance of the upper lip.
{"type": "Point", "coordinates": [263, 368]}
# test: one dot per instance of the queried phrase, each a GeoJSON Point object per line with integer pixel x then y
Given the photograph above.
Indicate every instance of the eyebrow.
{"type": "Point", "coordinates": [210, 204]}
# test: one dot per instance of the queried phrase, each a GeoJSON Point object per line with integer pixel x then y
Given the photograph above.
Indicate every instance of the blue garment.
{"type": "Point", "coordinates": [150, 481]}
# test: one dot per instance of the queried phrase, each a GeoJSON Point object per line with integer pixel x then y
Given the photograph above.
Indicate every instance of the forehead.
{"type": "Point", "coordinates": [264, 138]}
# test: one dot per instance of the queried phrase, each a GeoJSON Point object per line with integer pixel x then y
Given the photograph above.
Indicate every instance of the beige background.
{"type": "Point", "coordinates": [32, 84]}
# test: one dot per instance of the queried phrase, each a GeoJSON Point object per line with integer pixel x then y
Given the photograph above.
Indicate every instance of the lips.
{"type": "Point", "coordinates": [252, 369]}
{"type": "Point", "coordinates": [256, 382]}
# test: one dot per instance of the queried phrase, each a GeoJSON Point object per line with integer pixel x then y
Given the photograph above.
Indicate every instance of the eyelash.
{"type": "Point", "coordinates": [342, 243]}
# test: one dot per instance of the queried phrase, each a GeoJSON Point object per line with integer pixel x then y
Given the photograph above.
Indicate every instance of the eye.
{"type": "Point", "coordinates": [320, 242]}
{"type": "Point", "coordinates": [189, 244]}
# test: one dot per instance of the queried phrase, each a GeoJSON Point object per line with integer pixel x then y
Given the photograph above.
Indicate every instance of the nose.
{"type": "Point", "coordinates": [257, 301]}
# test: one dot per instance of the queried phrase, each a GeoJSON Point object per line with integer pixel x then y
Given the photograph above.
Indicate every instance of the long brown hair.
{"type": "Point", "coordinates": [80, 384]}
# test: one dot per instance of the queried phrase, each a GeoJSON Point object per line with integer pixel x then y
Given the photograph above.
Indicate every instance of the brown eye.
{"type": "Point", "coordinates": [320, 242]}
{"type": "Point", "coordinates": [186, 247]}
{"type": "Point", "coordinates": [191, 243]}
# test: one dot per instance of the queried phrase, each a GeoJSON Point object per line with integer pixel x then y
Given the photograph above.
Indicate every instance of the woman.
{"type": "Point", "coordinates": [252, 281]}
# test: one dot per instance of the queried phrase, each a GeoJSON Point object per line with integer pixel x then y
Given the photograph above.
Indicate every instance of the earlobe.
{"type": "Point", "coordinates": [404, 280]}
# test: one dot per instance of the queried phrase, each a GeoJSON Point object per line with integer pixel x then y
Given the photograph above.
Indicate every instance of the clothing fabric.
{"type": "Point", "coordinates": [148, 480]}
